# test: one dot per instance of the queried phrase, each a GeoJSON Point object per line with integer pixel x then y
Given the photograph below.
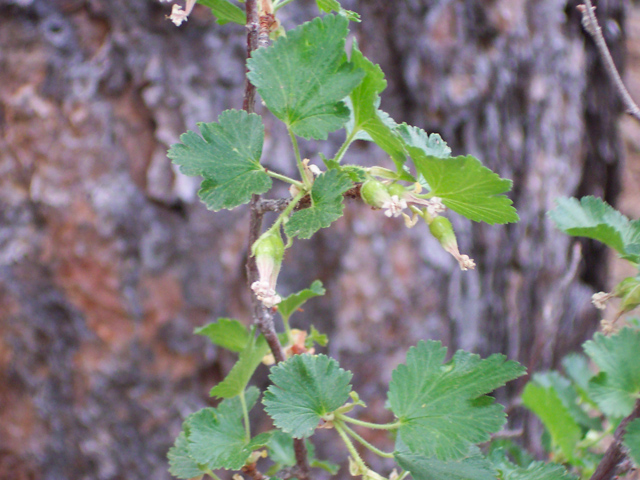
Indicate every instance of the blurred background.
{"type": "Point", "coordinates": [108, 261]}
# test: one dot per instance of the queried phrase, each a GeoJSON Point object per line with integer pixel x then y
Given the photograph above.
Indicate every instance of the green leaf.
{"type": "Point", "coordinates": [305, 388]}
{"type": "Point", "coordinates": [181, 465]}
{"type": "Point", "coordinates": [592, 218]}
{"type": "Point", "coordinates": [366, 117]}
{"type": "Point", "coordinates": [304, 77]}
{"type": "Point", "coordinates": [431, 145]}
{"type": "Point", "coordinates": [569, 398]}
{"type": "Point", "coordinates": [225, 11]}
{"type": "Point", "coordinates": [328, 6]}
{"type": "Point", "coordinates": [226, 333]}
{"type": "Point", "coordinates": [326, 205]}
{"type": "Point", "coordinates": [617, 387]}
{"type": "Point", "coordinates": [316, 337]}
{"type": "Point", "coordinates": [217, 438]}
{"type": "Point", "coordinates": [533, 471]}
{"type": "Point", "coordinates": [472, 466]}
{"type": "Point", "coordinates": [545, 402]}
{"type": "Point", "coordinates": [294, 301]}
{"type": "Point", "coordinates": [227, 156]}
{"type": "Point", "coordinates": [632, 440]}
{"type": "Point", "coordinates": [466, 187]}
{"type": "Point", "coordinates": [442, 407]}
{"type": "Point", "coordinates": [238, 378]}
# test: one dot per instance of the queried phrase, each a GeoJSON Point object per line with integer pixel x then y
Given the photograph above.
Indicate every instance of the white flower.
{"type": "Point", "coordinates": [178, 15]}
{"type": "Point", "coordinates": [600, 300]}
{"type": "Point", "coordinates": [394, 206]}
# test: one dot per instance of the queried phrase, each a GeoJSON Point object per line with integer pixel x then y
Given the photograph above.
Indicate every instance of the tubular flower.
{"type": "Point", "coordinates": [600, 300]}
{"type": "Point", "coordinates": [178, 15]}
{"type": "Point", "coordinates": [442, 229]}
{"type": "Point", "coordinates": [268, 250]}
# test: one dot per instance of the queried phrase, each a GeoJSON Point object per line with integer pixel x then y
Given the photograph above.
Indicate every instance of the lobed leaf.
{"type": "Point", "coordinates": [227, 156]}
{"type": "Point", "coordinates": [304, 77]}
{"type": "Point", "coordinates": [326, 205]}
{"type": "Point", "coordinates": [431, 145]}
{"type": "Point", "coordinates": [617, 387]}
{"type": "Point", "coordinates": [466, 186]}
{"type": "Point", "coordinates": [442, 406]}
{"type": "Point", "coordinates": [226, 333]}
{"type": "Point", "coordinates": [592, 218]}
{"type": "Point", "coordinates": [305, 388]}
{"type": "Point", "coordinates": [216, 436]}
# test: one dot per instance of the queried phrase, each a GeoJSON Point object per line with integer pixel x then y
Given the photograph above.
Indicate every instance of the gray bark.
{"type": "Point", "coordinates": [108, 261]}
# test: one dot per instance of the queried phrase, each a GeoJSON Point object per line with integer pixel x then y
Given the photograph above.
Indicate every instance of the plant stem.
{"type": "Point", "coordinates": [592, 27]}
{"type": "Point", "coordinates": [364, 443]}
{"type": "Point", "coordinates": [403, 475]}
{"type": "Point", "coordinates": [377, 426]}
{"type": "Point", "coordinates": [349, 444]}
{"type": "Point", "coordinates": [344, 147]}
{"type": "Point", "coordinates": [212, 475]}
{"type": "Point", "coordinates": [615, 453]}
{"type": "Point", "coordinates": [262, 317]}
{"type": "Point", "coordinates": [245, 417]}
{"type": "Point", "coordinates": [284, 178]}
{"type": "Point", "coordinates": [296, 149]}
{"type": "Point", "coordinates": [253, 26]}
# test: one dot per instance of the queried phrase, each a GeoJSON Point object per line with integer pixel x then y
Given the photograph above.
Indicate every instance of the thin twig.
{"type": "Point", "coordinates": [263, 317]}
{"type": "Point", "coordinates": [253, 27]}
{"type": "Point", "coordinates": [590, 23]}
{"type": "Point", "coordinates": [614, 456]}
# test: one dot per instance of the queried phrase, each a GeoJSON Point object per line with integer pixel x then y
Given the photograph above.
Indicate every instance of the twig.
{"type": "Point", "coordinates": [614, 456]}
{"type": "Point", "coordinates": [590, 23]}
{"type": "Point", "coordinates": [253, 27]}
{"type": "Point", "coordinates": [262, 316]}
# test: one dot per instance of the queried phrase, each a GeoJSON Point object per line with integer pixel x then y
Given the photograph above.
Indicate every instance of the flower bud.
{"type": "Point", "coordinates": [269, 251]}
{"type": "Point", "coordinates": [441, 228]}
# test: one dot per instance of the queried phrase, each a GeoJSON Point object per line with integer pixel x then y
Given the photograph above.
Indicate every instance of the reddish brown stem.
{"type": "Point", "coordinates": [614, 456]}
{"type": "Point", "coordinates": [253, 27]}
{"type": "Point", "coordinates": [257, 36]}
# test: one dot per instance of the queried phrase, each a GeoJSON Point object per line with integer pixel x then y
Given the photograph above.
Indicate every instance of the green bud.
{"type": "Point", "coordinates": [374, 193]}
{"type": "Point", "coordinates": [442, 229]}
{"type": "Point", "coordinates": [269, 251]}
{"type": "Point", "coordinates": [270, 244]}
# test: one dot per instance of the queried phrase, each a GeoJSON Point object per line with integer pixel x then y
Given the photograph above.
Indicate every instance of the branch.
{"type": "Point", "coordinates": [253, 27]}
{"type": "Point", "coordinates": [263, 316]}
{"type": "Point", "coordinates": [590, 24]}
{"type": "Point", "coordinates": [614, 456]}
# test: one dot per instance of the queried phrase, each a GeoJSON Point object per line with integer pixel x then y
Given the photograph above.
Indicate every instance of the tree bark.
{"type": "Point", "coordinates": [108, 261]}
